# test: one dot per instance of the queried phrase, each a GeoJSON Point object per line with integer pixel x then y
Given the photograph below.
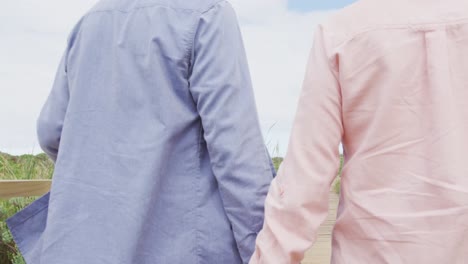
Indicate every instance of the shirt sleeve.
{"type": "Point", "coordinates": [297, 203]}
{"type": "Point", "coordinates": [51, 118]}
{"type": "Point", "coordinates": [221, 88]}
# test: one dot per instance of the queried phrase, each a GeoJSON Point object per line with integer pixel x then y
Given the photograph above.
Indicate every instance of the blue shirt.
{"type": "Point", "coordinates": [159, 154]}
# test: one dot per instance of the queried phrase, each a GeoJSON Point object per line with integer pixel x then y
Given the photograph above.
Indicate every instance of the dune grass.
{"type": "Point", "coordinates": [24, 167]}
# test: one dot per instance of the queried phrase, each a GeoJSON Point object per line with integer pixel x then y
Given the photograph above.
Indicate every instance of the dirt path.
{"type": "Point", "coordinates": [321, 251]}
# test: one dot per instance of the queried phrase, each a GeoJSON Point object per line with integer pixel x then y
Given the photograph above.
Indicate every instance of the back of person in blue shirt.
{"type": "Point", "coordinates": [154, 132]}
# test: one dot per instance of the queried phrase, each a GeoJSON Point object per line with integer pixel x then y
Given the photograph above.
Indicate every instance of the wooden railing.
{"type": "Point", "coordinates": [23, 188]}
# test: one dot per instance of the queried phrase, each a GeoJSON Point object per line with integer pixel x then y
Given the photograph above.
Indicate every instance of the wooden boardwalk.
{"type": "Point", "coordinates": [320, 253]}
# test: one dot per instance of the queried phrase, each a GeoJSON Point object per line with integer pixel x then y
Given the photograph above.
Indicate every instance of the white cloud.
{"type": "Point", "coordinates": [33, 36]}
{"type": "Point", "coordinates": [251, 11]}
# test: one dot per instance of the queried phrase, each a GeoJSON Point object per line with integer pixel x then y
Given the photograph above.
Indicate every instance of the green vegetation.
{"type": "Point", "coordinates": [336, 184]}
{"type": "Point", "coordinates": [9, 253]}
{"type": "Point", "coordinates": [277, 162]}
{"type": "Point", "coordinates": [25, 167]}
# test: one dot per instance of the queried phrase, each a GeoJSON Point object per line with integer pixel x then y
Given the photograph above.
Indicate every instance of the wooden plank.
{"type": "Point", "coordinates": [23, 188]}
{"type": "Point", "coordinates": [320, 253]}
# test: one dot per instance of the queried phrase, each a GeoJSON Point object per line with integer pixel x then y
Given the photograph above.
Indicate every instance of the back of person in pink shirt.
{"type": "Point", "coordinates": [388, 80]}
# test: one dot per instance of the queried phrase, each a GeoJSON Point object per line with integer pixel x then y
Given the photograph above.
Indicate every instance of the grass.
{"type": "Point", "coordinates": [277, 162]}
{"type": "Point", "coordinates": [337, 182]}
{"type": "Point", "coordinates": [25, 167]}
{"type": "Point", "coordinates": [336, 187]}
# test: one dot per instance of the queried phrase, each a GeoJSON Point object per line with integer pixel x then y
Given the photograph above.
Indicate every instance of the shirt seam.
{"type": "Point", "coordinates": [157, 5]}
{"type": "Point", "coordinates": [461, 21]}
{"type": "Point", "coordinates": [143, 7]}
{"type": "Point", "coordinates": [193, 34]}
{"type": "Point", "coordinates": [198, 190]}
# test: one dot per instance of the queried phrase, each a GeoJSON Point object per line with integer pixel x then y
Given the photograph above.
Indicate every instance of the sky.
{"type": "Point", "coordinates": [33, 36]}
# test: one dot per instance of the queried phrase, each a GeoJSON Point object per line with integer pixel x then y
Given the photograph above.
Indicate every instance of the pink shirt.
{"type": "Point", "coordinates": [388, 79]}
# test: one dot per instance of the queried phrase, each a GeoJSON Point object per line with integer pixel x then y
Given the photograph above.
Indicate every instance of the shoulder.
{"type": "Point", "coordinates": [352, 20]}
